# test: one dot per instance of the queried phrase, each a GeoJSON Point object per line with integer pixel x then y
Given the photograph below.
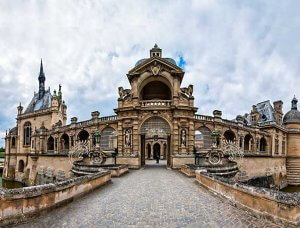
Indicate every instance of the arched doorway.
{"type": "Point", "coordinates": [156, 152]}
{"type": "Point", "coordinates": [248, 142]}
{"type": "Point", "coordinates": [64, 139]}
{"type": "Point", "coordinates": [157, 131]}
{"type": "Point", "coordinates": [50, 144]}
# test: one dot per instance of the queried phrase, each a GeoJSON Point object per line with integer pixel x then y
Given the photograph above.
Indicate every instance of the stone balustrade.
{"type": "Point", "coordinates": [87, 123]}
{"type": "Point", "coordinates": [202, 117]}
{"type": "Point", "coordinates": [159, 103]}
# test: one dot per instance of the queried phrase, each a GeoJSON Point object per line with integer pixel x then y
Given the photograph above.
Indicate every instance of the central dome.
{"type": "Point", "coordinates": [156, 52]}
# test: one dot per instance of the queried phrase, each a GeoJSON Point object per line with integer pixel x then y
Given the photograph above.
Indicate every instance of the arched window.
{"type": "Point", "coordinates": [203, 138]}
{"type": "Point", "coordinates": [50, 144]}
{"type": "Point", "coordinates": [263, 145]}
{"type": "Point", "coordinates": [248, 143]}
{"type": "Point", "coordinates": [229, 136]}
{"type": "Point", "coordinates": [21, 166]}
{"type": "Point", "coordinates": [108, 139]}
{"type": "Point", "coordinates": [27, 134]}
{"type": "Point", "coordinates": [156, 90]}
{"type": "Point", "coordinates": [64, 140]}
{"type": "Point", "coordinates": [13, 142]}
{"type": "Point", "coordinates": [83, 135]}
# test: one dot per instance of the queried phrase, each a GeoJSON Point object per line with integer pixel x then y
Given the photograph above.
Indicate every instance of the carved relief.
{"type": "Point", "coordinates": [127, 135]}
{"type": "Point", "coordinates": [187, 92]}
{"type": "Point", "coordinates": [155, 69]}
{"type": "Point", "coordinates": [183, 138]}
{"type": "Point", "coordinates": [124, 94]}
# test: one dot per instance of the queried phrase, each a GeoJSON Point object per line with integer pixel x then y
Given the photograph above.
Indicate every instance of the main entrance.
{"type": "Point", "coordinates": [155, 140]}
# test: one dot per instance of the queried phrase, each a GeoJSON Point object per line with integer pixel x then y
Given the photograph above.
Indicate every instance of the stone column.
{"type": "Point", "coordinates": [135, 138]}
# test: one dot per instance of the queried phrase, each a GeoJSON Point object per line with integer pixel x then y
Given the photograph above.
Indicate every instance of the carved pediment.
{"type": "Point", "coordinates": [155, 66]}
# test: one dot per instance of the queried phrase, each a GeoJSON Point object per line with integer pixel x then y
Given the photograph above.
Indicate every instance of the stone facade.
{"type": "Point", "coordinates": [156, 117]}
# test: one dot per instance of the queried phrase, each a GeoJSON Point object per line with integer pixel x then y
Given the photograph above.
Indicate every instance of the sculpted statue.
{"type": "Point", "coordinates": [183, 137]}
{"type": "Point", "coordinates": [187, 91]}
{"type": "Point", "coordinates": [124, 93]}
{"type": "Point", "coordinates": [127, 137]}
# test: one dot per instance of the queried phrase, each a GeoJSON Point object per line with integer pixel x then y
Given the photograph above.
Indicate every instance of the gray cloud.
{"type": "Point", "coordinates": [237, 53]}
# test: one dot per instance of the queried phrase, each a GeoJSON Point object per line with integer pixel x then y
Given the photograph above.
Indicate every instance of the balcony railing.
{"type": "Point", "coordinates": [202, 117]}
{"type": "Point", "coordinates": [159, 103]}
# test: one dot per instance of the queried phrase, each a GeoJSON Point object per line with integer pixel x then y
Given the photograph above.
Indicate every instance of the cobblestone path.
{"type": "Point", "coordinates": [151, 197]}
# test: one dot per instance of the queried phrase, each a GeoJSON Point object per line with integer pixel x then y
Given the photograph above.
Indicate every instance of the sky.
{"type": "Point", "coordinates": [235, 53]}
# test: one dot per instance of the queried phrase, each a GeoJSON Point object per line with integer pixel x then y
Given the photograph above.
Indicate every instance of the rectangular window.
{"type": "Point", "coordinates": [283, 147]}
{"type": "Point", "coordinates": [276, 146]}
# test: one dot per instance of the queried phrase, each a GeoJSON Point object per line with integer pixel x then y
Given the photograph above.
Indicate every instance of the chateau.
{"type": "Point", "coordinates": [156, 117]}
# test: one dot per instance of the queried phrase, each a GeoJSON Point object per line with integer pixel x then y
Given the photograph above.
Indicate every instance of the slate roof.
{"type": "Point", "coordinates": [39, 104]}
{"type": "Point", "coordinates": [266, 111]}
{"type": "Point", "coordinates": [170, 60]}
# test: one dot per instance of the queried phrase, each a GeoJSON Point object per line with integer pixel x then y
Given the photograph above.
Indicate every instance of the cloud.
{"type": "Point", "coordinates": [236, 53]}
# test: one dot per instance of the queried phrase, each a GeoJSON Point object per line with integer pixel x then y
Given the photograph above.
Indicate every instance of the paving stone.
{"type": "Point", "coordinates": [150, 197]}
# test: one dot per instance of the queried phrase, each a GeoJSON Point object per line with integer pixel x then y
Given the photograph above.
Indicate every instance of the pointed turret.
{"type": "Point", "coordinates": [42, 79]}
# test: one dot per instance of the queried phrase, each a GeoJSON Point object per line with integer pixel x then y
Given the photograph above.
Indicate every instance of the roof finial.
{"type": "Point", "coordinates": [41, 67]}
{"type": "Point", "coordinates": [294, 103]}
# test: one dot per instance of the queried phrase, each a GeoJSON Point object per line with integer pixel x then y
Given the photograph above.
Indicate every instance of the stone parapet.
{"type": "Point", "coordinates": [281, 207]}
{"type": "Point", "coordinates": [17, 205]}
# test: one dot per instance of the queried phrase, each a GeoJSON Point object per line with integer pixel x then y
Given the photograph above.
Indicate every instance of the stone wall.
{"type": "Point", "coordinates": [281, 207]}
{"type": "Point", "coordinates": [17, 205]}
{"type": "Point", "coordinates": [33, 166]}
{"type": "Point", "coordinates": [257, 166]}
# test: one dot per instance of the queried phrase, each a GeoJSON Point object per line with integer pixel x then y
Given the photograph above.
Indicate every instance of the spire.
{"type": "Point", "coordinates": [42, 79]}
{"type": "Point", "coordinates": [294, 103]}
{"type": "Point", "coordinates": [59, 93]}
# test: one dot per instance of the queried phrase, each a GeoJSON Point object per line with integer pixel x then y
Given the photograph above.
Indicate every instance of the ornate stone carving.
{"type": "Point", "coordinates": [124, 93]}
{"type": "Point", "coordinates": [155, 69]}
{"type": "Point", "coordinates": [187, 91]}
{"type": "Point", "coordinates": [183, 138]}
{"type": "Point", "coordinates": [127, 136]}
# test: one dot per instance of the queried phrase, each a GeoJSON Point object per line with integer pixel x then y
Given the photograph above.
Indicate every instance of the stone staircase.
{"type": "Point", "coordinates": [293, 171]}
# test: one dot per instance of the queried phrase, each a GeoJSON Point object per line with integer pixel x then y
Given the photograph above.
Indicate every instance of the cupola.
{"type": "Point", "coordinates": [292, 116]}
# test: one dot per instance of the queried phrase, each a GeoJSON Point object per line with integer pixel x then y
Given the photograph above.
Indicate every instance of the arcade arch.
{"type": "Point", "coordinates": [156, 90]}
{"type": "Point", "coordinates": [155, 139]}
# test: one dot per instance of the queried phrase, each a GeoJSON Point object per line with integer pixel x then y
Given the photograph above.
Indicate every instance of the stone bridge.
{"type": "Point", "coordinates": [150, 197]}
